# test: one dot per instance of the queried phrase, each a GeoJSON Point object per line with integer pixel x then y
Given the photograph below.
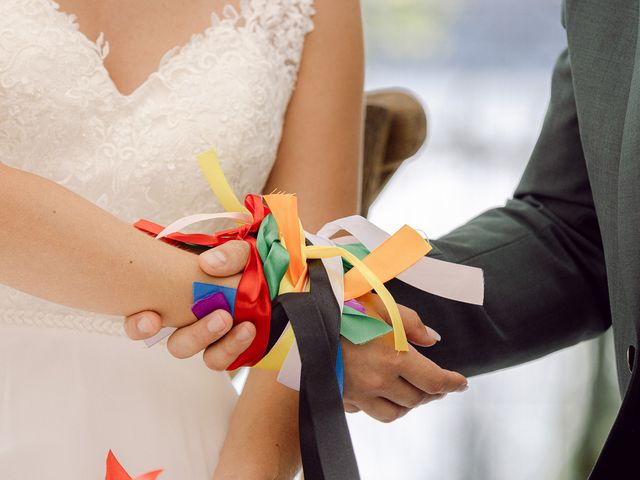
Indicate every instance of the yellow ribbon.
{"type": "Point", "coordinates": [210, 165]}
{"type": "Point", "coordinates": [399, 335]}
{"type": "Point", "coordinates": [285, 209]}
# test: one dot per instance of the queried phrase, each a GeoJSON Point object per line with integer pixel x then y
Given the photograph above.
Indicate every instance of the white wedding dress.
{"type": "Point", "coordinates": [72, 386]}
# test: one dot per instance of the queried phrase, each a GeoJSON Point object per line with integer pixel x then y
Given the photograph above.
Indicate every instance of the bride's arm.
{"type": "Point", "coordinates": [319, 160]}
{"type": "Point", "coordinates": [57, 245]}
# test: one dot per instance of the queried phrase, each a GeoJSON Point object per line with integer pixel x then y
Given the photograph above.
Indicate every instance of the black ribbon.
{"type": "Point", "coordinates": [325, 443]}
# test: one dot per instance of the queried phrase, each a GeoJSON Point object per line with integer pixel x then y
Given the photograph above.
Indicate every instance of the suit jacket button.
{"type": "Point", "coordinates": [631, 354]}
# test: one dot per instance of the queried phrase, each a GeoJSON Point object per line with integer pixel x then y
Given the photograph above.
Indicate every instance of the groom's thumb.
{"type": "Point", "coordinates": [417, 332]}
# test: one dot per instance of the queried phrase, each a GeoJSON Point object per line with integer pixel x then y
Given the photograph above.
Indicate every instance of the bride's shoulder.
{"type": "Point", "coordinates": [285, 23]}
{"type": "Point", "coordinates": [281, 15]}
{"type": "Point", "coordinates": [295, 18]}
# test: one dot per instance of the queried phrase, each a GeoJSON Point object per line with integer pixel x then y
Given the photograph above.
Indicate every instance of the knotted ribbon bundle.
{"type": "Point", "coordinates": [303, 291]}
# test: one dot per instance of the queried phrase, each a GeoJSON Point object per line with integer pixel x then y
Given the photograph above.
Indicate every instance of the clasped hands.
{"type": "Point", "coordinates": [383, 383]}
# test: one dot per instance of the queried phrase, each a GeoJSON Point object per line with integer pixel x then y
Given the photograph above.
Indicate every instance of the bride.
{"type": "Point", "coordinates": [103, 107]}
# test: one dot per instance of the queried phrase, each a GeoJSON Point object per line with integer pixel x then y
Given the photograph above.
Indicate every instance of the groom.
{"type": "Point", "coordinates": [562, 258]}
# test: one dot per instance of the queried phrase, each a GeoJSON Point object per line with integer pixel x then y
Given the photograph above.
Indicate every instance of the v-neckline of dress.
{"type": "Point", "coordinates": [100, 46]}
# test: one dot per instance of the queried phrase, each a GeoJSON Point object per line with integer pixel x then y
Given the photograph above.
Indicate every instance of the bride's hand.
{"type": "Point", "coordinates": [399, 383]}
{"type": "Point", "coordinates": [213, 333]}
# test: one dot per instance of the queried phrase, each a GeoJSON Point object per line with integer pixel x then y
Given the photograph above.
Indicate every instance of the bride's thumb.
{"type": "Point", "coordinates": [226, 260]}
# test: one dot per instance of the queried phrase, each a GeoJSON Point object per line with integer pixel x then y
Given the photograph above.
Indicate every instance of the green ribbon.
{"type": "Point", "coordinates": [355, 326]}
{"type": "Point", "coordinates": [360, 328]}
{"type": "Point", "coordinates": [357, 249]}
{"type": "Point", "coordinates": [275, 258]}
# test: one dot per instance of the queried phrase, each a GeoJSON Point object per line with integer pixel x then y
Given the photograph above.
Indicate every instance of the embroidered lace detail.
{"type": "Point", "coordinates": [85, 322]}
{"type": "Point", "coordinates": [62, 117]}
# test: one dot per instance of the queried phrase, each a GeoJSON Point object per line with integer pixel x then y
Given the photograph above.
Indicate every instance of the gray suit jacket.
{"type": "Point", "coordinates": [562, 258]}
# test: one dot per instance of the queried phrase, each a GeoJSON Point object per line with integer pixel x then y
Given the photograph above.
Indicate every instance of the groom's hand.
{"type": "Point", "coordinates": [378, 380]}
{"type": "Point", "coordinates": [214, 334]}
{"type": "Point", "coordinates": [387, 384]}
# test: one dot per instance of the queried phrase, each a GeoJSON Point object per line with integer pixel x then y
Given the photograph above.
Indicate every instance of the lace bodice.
{"type": "Point", "coordinates": [62, 117]}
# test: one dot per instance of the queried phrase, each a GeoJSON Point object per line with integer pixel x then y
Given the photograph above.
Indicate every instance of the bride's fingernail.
{"type": "Point", "coordinates": [215, 258]}
{"type": "Point", "coordinates": [433, 334]}
{"type": "Point", "coordinates": [243, 334]}
{"type": "Point", "coordinates": [145, 325]}
{"type": "Point", "coordinates": [216, 324]}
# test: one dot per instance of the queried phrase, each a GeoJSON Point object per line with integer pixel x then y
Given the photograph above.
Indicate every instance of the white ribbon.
{"type": "Point", "coordinates": [201, 217]}
{"type": "Point", "coordinates": [445, 279]}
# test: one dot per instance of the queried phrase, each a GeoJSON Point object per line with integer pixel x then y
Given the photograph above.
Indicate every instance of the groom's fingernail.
{"type": "Point", "coordinates": [145, 325]}
{"type": "Point", "coordinates": [433, 334]}
{"type": "Point", "coordinates": [215, 258]}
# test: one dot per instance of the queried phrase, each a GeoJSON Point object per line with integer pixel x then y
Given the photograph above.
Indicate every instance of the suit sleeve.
{"type": "Point", "coordinates": [542, 255]}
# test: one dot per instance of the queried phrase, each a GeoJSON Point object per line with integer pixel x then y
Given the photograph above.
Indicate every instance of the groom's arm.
{"type": "Point", "coordinates": [541, 254]}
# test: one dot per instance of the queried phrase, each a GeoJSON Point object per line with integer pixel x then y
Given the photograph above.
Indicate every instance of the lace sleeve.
{"type": "Point", "coordinates": [287, 22]}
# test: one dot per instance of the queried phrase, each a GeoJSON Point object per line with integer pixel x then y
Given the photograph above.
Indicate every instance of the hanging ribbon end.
{"type": "Point", "coordinates": [210, 165]}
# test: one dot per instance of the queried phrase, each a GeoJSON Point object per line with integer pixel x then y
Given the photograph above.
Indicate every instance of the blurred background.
{"type": "Point", "coordinates": [482, 69]}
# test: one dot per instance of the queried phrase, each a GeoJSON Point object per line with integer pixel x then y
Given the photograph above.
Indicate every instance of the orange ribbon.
{"type": "Point", "coordinates": [395, 255]}
{"type": "Point", "coordinates": [115, 471]}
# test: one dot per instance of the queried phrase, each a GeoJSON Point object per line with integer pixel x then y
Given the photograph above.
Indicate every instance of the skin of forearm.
{"type": "Point", "coordinates": [263, 428]}
{"type": "Point", "coordinates": [267, 412]}
{"type": "Point", "coordinates": [56, 245]}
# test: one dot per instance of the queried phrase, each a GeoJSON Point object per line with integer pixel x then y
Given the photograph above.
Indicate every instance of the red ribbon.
{"type": "Point", "coordinates": [253, 303]}
{"type": "Point", "coordinates": [115, 471]}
